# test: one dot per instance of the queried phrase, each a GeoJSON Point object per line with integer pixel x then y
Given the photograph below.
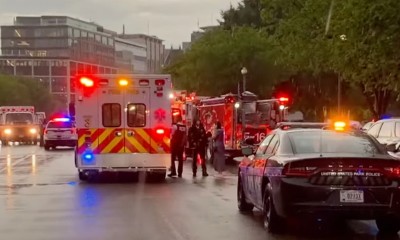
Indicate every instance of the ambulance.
{"type": "Point", "coordinates": [123, 124]}
{"type": "Point", "coordinates": [18, 124]}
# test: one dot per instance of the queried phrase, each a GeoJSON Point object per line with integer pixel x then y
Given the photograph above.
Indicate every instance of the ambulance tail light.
{"type": "Point", "coordinates": [160, 82]}
{"type": "Point", "coordinates": [160, 131]}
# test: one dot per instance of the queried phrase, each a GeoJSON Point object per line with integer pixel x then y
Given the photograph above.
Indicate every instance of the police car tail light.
{"type": "Point", "coordinates": [393, 171]}
{"type": "Point", "coordinates": [298, 171]}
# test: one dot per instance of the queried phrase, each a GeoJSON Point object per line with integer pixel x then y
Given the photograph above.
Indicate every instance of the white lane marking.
{"type": "Point", "coordinates": [14, 163]}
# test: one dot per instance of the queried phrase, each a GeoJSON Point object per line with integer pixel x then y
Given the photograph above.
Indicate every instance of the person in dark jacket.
{"type": "Point", "coordinates": [219, 151]}
{"type": "Point", "coordinates": [178, 142]}
{"type": "Point", "coordinates": [198, 142]}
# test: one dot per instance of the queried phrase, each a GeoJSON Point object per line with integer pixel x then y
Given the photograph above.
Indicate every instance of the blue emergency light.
{"type": "Point", "coordinates": [62, 119]}
{"type": "Point", "coordinates": [88, 158]}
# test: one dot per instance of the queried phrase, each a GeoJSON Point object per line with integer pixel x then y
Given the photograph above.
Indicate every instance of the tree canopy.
{"type": "Point", "coordinates": [19, 91]}
{"type": "Point", "coordinates": [303, 46]}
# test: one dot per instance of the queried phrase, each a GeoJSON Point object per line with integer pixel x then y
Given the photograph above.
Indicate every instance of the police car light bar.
{"type": "Point", "coordinates": [61, 119]}
{"type": "Point", "coordinates": [292, 125]}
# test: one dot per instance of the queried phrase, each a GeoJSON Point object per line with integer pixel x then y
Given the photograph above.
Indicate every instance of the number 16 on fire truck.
{"type": "Point", "coordinates": [123, 124]}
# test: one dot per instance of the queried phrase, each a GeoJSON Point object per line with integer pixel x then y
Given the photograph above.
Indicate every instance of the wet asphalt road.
{"type": "Point", "coordinates": [42, 198]}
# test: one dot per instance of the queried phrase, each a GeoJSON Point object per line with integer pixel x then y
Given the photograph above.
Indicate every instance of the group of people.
{"type": "Point", "coordinates": [199, 141]}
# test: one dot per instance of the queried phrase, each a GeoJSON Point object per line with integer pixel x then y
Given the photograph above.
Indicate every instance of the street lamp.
{"type": "Point", "coordinates": [244, 73]}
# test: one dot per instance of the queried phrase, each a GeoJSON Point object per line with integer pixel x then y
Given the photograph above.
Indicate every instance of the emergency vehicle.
{"type": "Point", "coordinates": [18, 124]}
{"type": "Point", "coordinates": [178, 105]}
{"type": "Point", "coordinates": [241, 119]}
{"type": "Point", "coordinates": [123, 124]}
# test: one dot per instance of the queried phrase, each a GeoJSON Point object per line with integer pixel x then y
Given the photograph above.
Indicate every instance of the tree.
{"type": "Point", "coordinates": [246, 14]}
{"type": "Point", "coordinates": [362, 50]}
{"type": "Point", "coordinates": [212, 66]}
{"type": "Point", "coordinates": [16, 91]}
{"type": "Point", "coordinates": [368, 53]}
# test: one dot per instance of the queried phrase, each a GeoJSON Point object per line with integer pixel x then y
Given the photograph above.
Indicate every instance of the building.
{"type": "Point", "coordinates": [130, 57]}
{"type": "Point", "coordinates": [155, 50]}
{"type": "Point", "coordinates": [172, 55]}
{"type": "Point", "coordinates": [53, 49]}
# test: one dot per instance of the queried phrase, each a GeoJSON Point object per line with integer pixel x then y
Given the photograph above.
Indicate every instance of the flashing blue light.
{"type": "Point", "coordinates": [88, 158]}
{"type": "Point", "coordinates": [386, 116]}
{"type": "Point", "coordinates": [62, 119]}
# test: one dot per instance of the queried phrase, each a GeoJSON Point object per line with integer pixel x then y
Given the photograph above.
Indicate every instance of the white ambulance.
{"type": "Point", "coordinates": [123, 124]}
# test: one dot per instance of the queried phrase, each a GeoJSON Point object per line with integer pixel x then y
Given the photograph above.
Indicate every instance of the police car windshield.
{"type": "Point", "coordinates": [15, 118]}
{"type": "Point", "coordinates": [59, 125]}
{"type": "Point", "coordinates": [309, 142]}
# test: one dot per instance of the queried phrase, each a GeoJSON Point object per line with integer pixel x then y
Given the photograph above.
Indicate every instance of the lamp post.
{"type": "Point", "coordinates": [244, 73]}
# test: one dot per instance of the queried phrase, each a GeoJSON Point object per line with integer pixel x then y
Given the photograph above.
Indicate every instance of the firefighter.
{"type": "Point", "coordinates": [178, 142]}
{"type": "Point", "coordinates": [198, 142]}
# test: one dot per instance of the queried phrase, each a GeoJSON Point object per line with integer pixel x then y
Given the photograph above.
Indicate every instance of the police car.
{"type": "Point", "coordinates": [60, 132]}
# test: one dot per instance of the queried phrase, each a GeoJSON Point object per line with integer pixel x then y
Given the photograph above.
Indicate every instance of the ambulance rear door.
{"type": "Point", "coordinates": [137, 132]}
{"type": "Point", "coordinates": [111, 124]}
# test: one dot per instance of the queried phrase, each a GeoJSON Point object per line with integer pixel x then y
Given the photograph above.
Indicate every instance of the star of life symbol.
{"type": "Point", "coordinates": [160, 115]}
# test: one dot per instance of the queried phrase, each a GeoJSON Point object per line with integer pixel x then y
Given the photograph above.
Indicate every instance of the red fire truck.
{"type": "Point", "coordinates": [241, 119]}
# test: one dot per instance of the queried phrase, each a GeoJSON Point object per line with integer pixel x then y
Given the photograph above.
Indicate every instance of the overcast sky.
{"type": "Point", "coordinates": [170, 20]}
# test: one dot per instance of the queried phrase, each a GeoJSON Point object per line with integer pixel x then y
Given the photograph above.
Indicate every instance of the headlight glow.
{"type": "Point", "coordinates": [33, 130]}
{"type": "Point", "coordinates": [7, 131]}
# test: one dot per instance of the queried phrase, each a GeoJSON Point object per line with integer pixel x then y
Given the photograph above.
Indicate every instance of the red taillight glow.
{"type": "Point", "coordinates": [160, 131]}
{"type": "Point", "coordinates": [160, 82]}
{"type": "Point", "coordinates": [394, 172]}
{"type": "Point", "coordinates": [284, 99]}
{"type": "Point", "coordinates": [87, 82]}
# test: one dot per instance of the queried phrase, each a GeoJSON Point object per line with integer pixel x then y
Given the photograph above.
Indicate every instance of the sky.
{"type": "Point", "coordinates": [171, 20]}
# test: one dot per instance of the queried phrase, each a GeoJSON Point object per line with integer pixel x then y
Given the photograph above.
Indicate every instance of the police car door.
{"type": "Point", "coordinates": [137, 125]}
{"type": "Point", "coordinates": [110, 102]}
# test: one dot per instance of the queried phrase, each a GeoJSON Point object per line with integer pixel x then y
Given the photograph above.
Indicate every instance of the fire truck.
{"type": "Point", "coordinates": [242, 118]}
{"type": "Point", "coordinates": [123, 125]}
{"type": "Point", "coordinates": [18, 124]}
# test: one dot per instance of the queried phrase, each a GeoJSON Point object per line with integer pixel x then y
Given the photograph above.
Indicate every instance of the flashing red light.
{"type": "Point", "coordinates": [160, 131]}
{"type": "Point", "coordinates": [284, 99]}
{"type": "Point", "coordinates": [87, 82]}
{"type": "Point", "coordinates": [160, 82]}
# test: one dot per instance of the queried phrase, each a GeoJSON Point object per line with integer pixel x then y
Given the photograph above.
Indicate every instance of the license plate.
{"type": "Point", "coordinates": [351, 196]}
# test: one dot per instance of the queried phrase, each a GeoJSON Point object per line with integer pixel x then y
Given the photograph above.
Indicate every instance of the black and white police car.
{"type": "Point", "coordinates": [60, 132]}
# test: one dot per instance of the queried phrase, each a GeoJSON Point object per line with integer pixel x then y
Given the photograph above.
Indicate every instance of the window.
{"type": "Point", "coordinates": [111, 115]}
{"type": "Point", "coordinates": [332, 142]}
{"type": "Point", "coordinates": [263, 146]}
{"type": "Point", "coordinates": [272, 144]}
{"type": "Point", "coordinates": [136, 115]}
{"type": "Point", "coordinates": [397, 129]}
{"type": "Point", "coordinates": [387, 129]}
{"type": "Point", "coordinates": [374, 130]}
{"type": "Point", "coordinates": [60, 125]}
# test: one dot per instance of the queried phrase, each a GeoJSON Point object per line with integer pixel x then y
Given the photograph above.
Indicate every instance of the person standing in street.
{"type": "Point", "coordinates": [178, 142]}
{"type": "Point", "coordinates": [198, 142]}
{"type": "Point", "coordinates": [219, 149]}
